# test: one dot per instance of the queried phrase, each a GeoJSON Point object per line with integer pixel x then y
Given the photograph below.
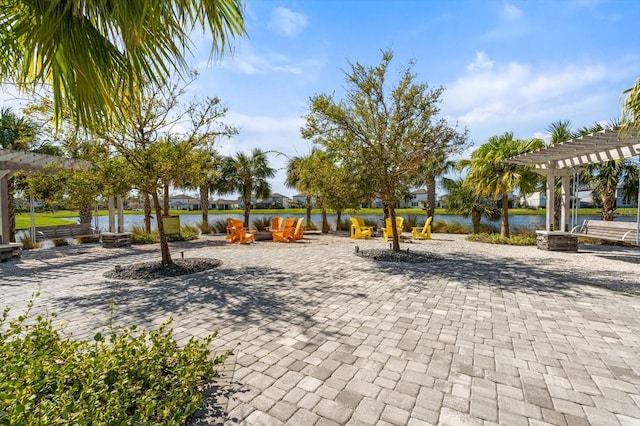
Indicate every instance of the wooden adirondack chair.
{"type": "Point", "coordinates": [286, 234]}
{"type": "Point", "coordinates": [240, 234]}
{"type": "Point", "coordinates": [425, 234]}
{"type": "Point", "coordinates": [298, 233]}
{"type": "Point", "coordinates": [358, 229]}
{"type": "Point", "coordinates": [276, 224]}
{"type": "Point", "coordinates": [387, 231]}
{"type": "Point", "coordinates": [231, 236]}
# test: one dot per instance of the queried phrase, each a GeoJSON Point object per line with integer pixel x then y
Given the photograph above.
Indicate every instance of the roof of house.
{"type": "Point", "coordinates": [276, 195]}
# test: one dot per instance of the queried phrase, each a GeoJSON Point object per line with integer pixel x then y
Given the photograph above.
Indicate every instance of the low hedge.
{"type": "Point", "coordinates": [131, 376]}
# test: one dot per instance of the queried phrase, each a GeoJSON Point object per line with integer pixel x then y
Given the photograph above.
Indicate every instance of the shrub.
{"type": "Point", "coordinates": [59, 242]}
{"type": "Point", "coordinates": [130, 377]}
{"type": "Point", "coordinates": [27, 242]}
{"type": "Point", "coordinates": [260, 224]}
{"type": "Point", "coordinates": [443, 227]}
{"type": "Point", "coordinates": [219, 226]}
{"type": "Point", "coordinates": [409, 222]}
{"type": "Point", "coordinates": [514, 240]}
{"type": "Point", "coordinates": [343, 225]}
{"type": "Point", "coordinates": [371, 222]}
{"type": "Point", "coordinates": [139, 236]}
{"type": "Point", "coordinates": [311, 226]}
{"type": "Point", "coordinates": [204, 227]}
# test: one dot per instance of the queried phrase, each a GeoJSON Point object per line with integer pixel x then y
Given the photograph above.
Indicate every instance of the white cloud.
{"type": "Point", "coordinates": [482, 62]}
{"type": "Point", "coordinates": [511, 12]}
{"type": "Point", "coordinates": [286, 22]}
{"type": "Point", "coordinates": [516, 95]}
{"type": "Point", "coordinates": [248, 61]}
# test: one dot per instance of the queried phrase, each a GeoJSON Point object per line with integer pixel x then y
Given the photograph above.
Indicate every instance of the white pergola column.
{"type": "Point", "coordinates": [4, 207]}
{"type": "Point", "coordinates": [566, 203]}
{"type": "Point", "coordinates": [551, 201]}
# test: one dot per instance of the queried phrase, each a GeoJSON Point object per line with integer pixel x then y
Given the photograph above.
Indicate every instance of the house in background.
{"type": "Point", "coordinates": [184, 202]}
{"type": "Point", "coordinates": [275, 201]}
{"type": "Point", "coordinates": [221, 204]}
{"type": "Point", "coordinates": [300, 201]}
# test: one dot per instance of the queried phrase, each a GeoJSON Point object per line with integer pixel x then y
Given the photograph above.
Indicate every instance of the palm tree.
{"type": "Point", "coordinates": [247, 175]}
{"type": "Point", "coordinates": [91, 52]}
{"type": "Point", "coordinates": [296, 179]}
{"type": "Point", "coordinates": [430, 171]}
{"type": "Point", "coordinates": [559, 131]}
{"type": "Point", "coordinates": [631, 109]}
{"type": "Point", "coordinates": [490, 175]}
{"type": "Point", "coordinates": [462, 199]}
{"type": "Point", "coordinates": [604, 178]}
{"type": "Point", "coordinates": [16, 133]}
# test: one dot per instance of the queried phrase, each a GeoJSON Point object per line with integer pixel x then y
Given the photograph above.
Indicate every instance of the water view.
{"type": "Point", "coordinates": [515, 221]}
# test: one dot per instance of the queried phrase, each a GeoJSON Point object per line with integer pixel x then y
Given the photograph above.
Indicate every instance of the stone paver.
{"type": "Point", "coordinates": [481, 335]}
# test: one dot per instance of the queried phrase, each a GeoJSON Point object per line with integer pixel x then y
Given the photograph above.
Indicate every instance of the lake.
{"type": "Point", "coordinates": [515, 221]}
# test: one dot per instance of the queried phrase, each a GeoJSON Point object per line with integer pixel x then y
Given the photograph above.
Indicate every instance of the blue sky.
{"type": "Point", "coordinates": [506, 66]}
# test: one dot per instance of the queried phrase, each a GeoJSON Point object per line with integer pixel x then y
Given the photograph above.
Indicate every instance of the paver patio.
{"type": "Point", "coordinates": [483, 335]}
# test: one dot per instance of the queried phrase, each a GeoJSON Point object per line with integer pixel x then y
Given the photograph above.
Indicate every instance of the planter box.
{"type": "Point", "coordinates": [556, 241]}
{"type": "Point", "coordinates": [263, 236]}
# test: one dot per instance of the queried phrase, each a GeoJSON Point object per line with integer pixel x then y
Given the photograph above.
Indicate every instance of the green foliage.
{"type": "Point", "coordinates": [410, 221]}
{"type": "Point", "coordinates": [311, 226]}
{"type": "Point", "coordinates": [371, 222]}
{"type": "Point", "coordinates": [219, 226]}
{"type": "Point", "coordinates": [443, 227]}
{"type": "Point", "coordinates": [124, 376]}
{"type": "Point", "coordinates": [204, 227]}
{"type": "Point", "coordinates": [187, 233]}
{"type": "Point", "coordinates": [513, 240]}
{"type": "Point", "coordinates": [139, 236]}
{"type": "Point", "coordinates": [261, 223]}
{"type": "Point", "coordinates": [344, 224]}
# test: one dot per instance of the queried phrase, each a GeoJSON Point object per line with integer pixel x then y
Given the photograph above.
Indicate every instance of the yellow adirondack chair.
{"type": "Point", "coordinates": [298, 233]}
{"type": "Point", "coordinates": [231, 236]}
{"type": "Point", "coordinates": [425, 234]}
{"type": "Point", "coordinates": [358, 229]}
{"type": "Point", "coordinates": [286, 234]}
{"type": "Point", "coordinates": [240, 234]}
{"type": "Point", "coordinates": [387, 231]}
{"type": "Point", "coordinates": [276, 224]}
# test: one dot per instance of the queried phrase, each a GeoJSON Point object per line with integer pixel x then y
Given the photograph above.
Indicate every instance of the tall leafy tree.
{"type": "Point", "coordinates": [490, 175]}
{"type": "Point", "coordinates": [381, 134]}
{"type": "Point", "coordinates": [94, 53]}
{"type": "Point", "coordinates": [464, 200]}
{"type": "Point", "coordinates": [298, 179]}
{"type": "Point", "coordinates": [630, 121]}
{"type": "Point", "coordinates": [247, 175]}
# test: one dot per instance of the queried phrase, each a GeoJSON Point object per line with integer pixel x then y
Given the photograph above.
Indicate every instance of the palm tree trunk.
{"type": "Point", "coordinates": [325, 222]}
{"type": "Point", "coordinates": [475, 221]}
{"type": "Point", "coordinates": [204, 202]}
{"type": "Point", "coordinates": [431, 195]}
{"type": "Point", "coordinates": [147, 213]}
{"type": "Point", "coordinates": [608, 205]}
{"type": "Point", "coordinates": [164, 244]}
{"type": "Point", "coordinates": [338, 218]}
{"type": "Point", "coordinates": [505, 215]}
{"type": "Point", "coordinates": [308, 210]}
{"type": "Point", "coordinates": [247, 210]}
{"type": "Point", "coordinates": [165, 200]}
{"type": "Point", "coordinates": [86, 213]}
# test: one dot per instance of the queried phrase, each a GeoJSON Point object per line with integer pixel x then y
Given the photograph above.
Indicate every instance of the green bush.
{"type": "Point", "coordinates": [410, 221]}
{"type": "Point", "coordinates": [139, 236]}
{"type": "Point", "coordinates": [219, 226]}
{"type": "Point", "coordinates": [129, 377]}
{"type": "Point", "coordinates": [443, 227]}
{"type": "Point", "coordinates": [514, 240]}
{"type": "Point", "coordinates": [311, 226]}
{"type": "Point", "coordinates": [187, 233]}
{"type": "Point", "coordinates": [260, 224]}
{"type": "Point", "coordinates": [204, 227]}
{"type": "Point", "coordinates": [343, 225]}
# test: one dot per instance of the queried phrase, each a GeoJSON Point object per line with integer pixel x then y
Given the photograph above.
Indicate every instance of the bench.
{"type": "Point", "coordinates": [626, 232]}
{"type": "Point", "coordinates": [10, 251]}
{"type": "Point", "coordinates": [78, 230]}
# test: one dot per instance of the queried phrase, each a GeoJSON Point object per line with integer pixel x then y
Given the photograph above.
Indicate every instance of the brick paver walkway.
{"type": "Point", "coordinates": [483, 335]}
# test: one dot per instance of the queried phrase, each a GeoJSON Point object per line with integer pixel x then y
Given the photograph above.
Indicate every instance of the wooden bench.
{"type": "Point", "coordinates": [626, 232]}
{"type": "Point", "coordinates": [78, 230]}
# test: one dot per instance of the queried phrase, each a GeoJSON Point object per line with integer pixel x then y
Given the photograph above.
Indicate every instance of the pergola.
{"type": "Point", "coordinates": [567, 158]}
{"type": "Point", "coordinates": [12, 162]}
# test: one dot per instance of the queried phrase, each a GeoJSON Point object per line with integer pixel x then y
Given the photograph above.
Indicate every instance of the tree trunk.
{"type": "Point", "coordinates": [325, 222]}
{"type": "Point", "coordinates": [204, 203]}
{"type": "Point", "coordinates": [475, 221]}
{"type": "Point", "coordinates": [505, 215]}
{"type": "Point", "coordinates": [247, 211]}
{"type": "Point", "coordinates": [164, 244]}
{"type": "Point", "coordinates": [86, 213]}
{"type": "Point", "coordinates": [385, 211]}
{"type": "Point", "coordinates": [11, 207]}
{"type": "Point", "coordinates": [165, 200]}
{"type": "Point", "coordinates": [338, 218]}
{"type": "Point", "coordinates": [608, 205]}
{"type": "Point", "coordinates": [147, 213]}
{"type": "Point", "coordinates": [392, 217]}
{"type": "Point", "coordinates": [431, 195]}
{"type": "Point", "coordinates": [308, 210]}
